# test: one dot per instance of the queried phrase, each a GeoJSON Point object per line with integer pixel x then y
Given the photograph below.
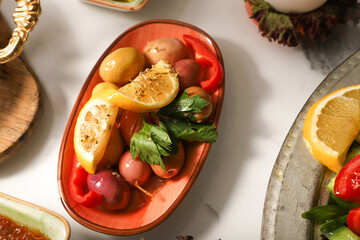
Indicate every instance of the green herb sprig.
{"type": "Point", "coordinates": [151, 143]}
{"type": "Point", "coordinates": [176, 121]}
{"type": "Point", "coordinates": [184, 107]}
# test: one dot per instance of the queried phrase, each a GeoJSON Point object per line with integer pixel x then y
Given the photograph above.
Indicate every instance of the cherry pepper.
{"type": "Point", "coordinates": [78, 185]}
{"type": "Point", "coordinates": [206, 59]}
{"type": "Point", "coordinates": [347, 182]}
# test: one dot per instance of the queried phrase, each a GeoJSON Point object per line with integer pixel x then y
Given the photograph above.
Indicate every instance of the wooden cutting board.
{"type": "Point", "coordinates": [21, 104]}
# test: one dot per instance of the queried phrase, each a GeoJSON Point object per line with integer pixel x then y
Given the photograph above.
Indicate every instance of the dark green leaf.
{"type": "Point", "coordinates": [184, 107]}
{"type": "Point", "coordinates": [159, 136]}
{"type": "Point", "coordinates": [147, 150]}
{"type": "Point", "coordinates": [191, 132]}
{"type": "Point", "coordinates": [199, 104]}
{"type": "Point", "coordinates": [321, 214]}
{"type": "Point", "coordinates": [162, 126]}
{"type": "Point", "coordinates": [151, 143]}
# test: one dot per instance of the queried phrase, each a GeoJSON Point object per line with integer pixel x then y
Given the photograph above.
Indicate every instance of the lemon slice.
{"type": "Point", "coordinates": [92, 132]}
{"type": "Point", "coordinates": [152, 89]}
{"type": "Point", "coordinates": [331, 125]}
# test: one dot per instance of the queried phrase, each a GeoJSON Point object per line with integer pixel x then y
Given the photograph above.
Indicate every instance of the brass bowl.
{"type": "Point", "coordinates": [25, 17]}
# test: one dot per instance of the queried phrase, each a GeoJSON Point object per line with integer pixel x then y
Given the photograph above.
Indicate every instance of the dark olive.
{"type": "Point", "coordinates": [189, 73]}
{"type": "Point", "coordinates": [208, 110]}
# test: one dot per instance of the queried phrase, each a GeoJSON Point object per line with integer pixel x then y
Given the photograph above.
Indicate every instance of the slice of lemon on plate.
{"type": "Point", "coordinates": [152, 89]}
{"type": "Point", "coordinates": [331, 125]}
{"type": "Point", "coordinates": [92, 132]}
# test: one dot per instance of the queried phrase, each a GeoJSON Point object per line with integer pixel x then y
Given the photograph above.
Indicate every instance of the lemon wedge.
{"type": "Point", "coordinates": [92, 132]}
{"type": "Point", "coordinates": [331, 125]}
{"type": "Point", "coordinates": [152, 89]}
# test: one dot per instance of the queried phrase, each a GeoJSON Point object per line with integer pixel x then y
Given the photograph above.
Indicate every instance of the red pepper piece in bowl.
{"type": "Point", "coordinates": [206, 59]}
{"type": "Point", "coordinates": [79, 185]}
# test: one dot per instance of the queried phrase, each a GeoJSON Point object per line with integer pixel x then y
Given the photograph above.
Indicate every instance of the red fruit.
{"type": "Point", "coordinates": [354, 220]}
{"type": "Point", "coordinates": [347, 182]}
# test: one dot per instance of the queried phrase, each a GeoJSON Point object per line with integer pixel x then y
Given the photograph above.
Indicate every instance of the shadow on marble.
{"type": "Point", "coordinates": [52, 77]}
{"type": "Point", "coordinates": [325, 56]}
{"type": "Point", "coordinates": [214, 188]}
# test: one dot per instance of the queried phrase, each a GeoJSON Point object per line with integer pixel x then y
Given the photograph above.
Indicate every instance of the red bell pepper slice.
{"type": "Point", "coordinates": [78, 186]}
{"type": "Point", "coordinates": [206, 59]}
{"type": "Point", "coordinates": [354, 220]}
{"type": "Point", "coordinates": [347, 182]}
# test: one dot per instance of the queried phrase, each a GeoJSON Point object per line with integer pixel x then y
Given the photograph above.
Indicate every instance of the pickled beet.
{"type": "Point", "coordinates": [114, 190]}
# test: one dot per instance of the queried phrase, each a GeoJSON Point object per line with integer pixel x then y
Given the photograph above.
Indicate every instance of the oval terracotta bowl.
{"type": "Point", "coordinates": [171, 193]}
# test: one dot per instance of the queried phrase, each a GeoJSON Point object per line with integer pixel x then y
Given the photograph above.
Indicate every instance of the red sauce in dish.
{"type": "Point", "coordinates": [9, 230]}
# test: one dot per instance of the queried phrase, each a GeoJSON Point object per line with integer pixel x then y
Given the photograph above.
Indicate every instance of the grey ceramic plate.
{"type": "Point", "coordinates": [298, 181]}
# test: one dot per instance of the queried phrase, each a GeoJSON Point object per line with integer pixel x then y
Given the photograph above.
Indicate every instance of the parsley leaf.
{"type": "Point", "coordinates": [151, 143]}
{"type": "Point", "coordinates": [183, 106]}
{"type": "Point", "coordinates": [191, 131]}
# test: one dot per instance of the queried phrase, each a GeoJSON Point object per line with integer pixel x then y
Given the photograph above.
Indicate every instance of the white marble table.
{"type": "Point", "coordinates": [266, 86]}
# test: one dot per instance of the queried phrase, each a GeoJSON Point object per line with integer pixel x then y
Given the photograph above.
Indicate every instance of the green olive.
{"type": "Point", "coordinates": [103, 85]}
{"type": "Point", "coordinates": [113, 150]}
{"type": "Point", "coordinates": [207, 111]}
{"type": "Point", "coordinates": [122, 65]}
